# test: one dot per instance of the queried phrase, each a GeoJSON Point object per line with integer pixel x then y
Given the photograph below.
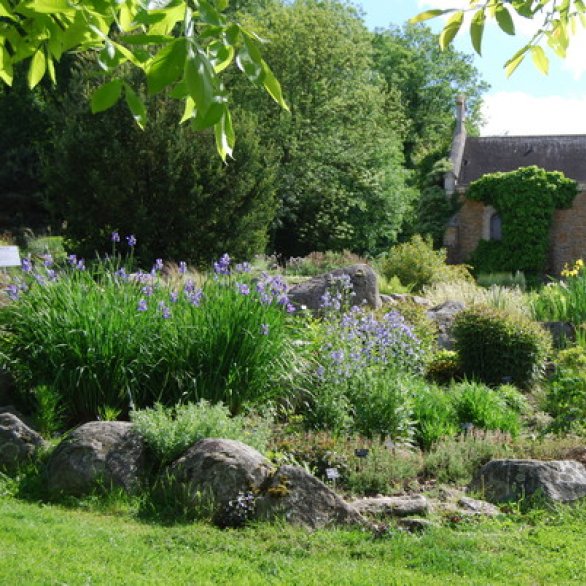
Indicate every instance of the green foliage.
{"type": "Point", "coordinates": [103, 340]}
{"type": "Point", "coordinates": [434, 414]}
{"type": "Point", "coordinates": [169, 431]}
{"type": "Point", "coordinates": [382, 406]}
{"type": "Point", "coordinates": [493, 345]}
{"type": "Point", "coordinates": [483, 407]}
{"type": "Point", "coordinates": [317, 263]}
{"type": "Point", "coordinates": [416, 263]}
{"type": "Point", "coordinates": [341, 179]}
{"type": "Point", "coordinates": [525, 199]}
{"type": "Point", "coordinates": [164, 184]}
{"type": "Point", "coordinates": [564, 300]}
{"type": "Point", "coordinates": [565, 400]}
{"type": "Point", "coordinates": [444, 367]}
{"type": "Point", "coordinates": [428, 81]}
{"type": "Point", "coordinates": [49, 413]}
{"type": "Point", "coordinates": [178, 49]}
{"type": "Point", "coordinates": [488, 280]}
{"type": "Point", "coordinates": [424, 328]}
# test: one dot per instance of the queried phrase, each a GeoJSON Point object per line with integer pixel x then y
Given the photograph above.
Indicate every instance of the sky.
{"type": "Point", "coordinates": [528, 102]}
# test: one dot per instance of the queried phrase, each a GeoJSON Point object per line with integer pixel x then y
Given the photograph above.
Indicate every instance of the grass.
{"type": "Point", "coordinates": [53, 545]}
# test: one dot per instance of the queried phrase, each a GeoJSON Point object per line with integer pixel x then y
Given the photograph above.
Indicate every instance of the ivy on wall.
{"type": "Point", "coordinates": [526, 200]}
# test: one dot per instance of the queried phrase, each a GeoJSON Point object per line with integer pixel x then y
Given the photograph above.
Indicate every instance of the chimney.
{"type": "Point", "coordinates": [458, 142]}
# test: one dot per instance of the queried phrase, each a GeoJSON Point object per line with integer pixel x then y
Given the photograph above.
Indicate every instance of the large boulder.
{"type": "Point", "coordinates": [511, 480]}
{"type": "Point", "coordinates": [218, 469]}
{"type": "Point", "coordinates": [18, 442]}
{"type": "Point", "coordinates": [301, 499]}
{"type": "Point", "coordinates": [443, 315]}
{"type": "Point", "coordinates": [364, 282]}
{"type": "Point", "coordinates": [97, 454]}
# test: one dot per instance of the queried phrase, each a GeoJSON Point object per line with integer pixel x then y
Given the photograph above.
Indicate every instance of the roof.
{"type": "Point", "coordinates": [566, 153]}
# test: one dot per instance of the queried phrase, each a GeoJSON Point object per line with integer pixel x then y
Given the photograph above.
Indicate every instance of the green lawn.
{"type": "Point", "coordinates": [46, 544]}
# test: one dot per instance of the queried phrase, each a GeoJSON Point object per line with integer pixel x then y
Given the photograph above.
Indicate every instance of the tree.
{"type": "Point", "coordinates": [163, 184]}
{"type": "Point", "coordinates": [556, 22]}
{"type": "Point", "coordinates": [342, 183]}
{"type": "Point", "coordinates": [428, 81]}
{"type": "Point", "coordinates": [178, 45]}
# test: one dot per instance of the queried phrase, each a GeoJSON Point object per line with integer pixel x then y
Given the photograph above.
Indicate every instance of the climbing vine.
{"type": "Point", "coordinates": [526, 200]}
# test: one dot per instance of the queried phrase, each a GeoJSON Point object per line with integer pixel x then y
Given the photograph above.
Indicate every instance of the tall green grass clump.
{"type": "Point", "coordinates": [563, 300]}
{"type": "Point", "coordinates": [102, 337]}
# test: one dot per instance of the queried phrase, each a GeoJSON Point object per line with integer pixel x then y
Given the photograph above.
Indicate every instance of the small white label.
{"type": "Point", "coordinates": [9, 256]}
{"type": "Point", "coordinates": [332, 473]}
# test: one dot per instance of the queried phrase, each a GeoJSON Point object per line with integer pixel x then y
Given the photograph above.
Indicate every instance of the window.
{"type": "Point", "coordinates": [496, 227]}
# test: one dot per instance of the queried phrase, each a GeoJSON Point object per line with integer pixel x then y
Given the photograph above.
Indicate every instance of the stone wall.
{"type": "Point", "coordinates": [568, 233]}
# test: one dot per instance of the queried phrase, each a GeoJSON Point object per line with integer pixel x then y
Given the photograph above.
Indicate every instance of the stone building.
{"type": "Point", "coordinates": [473, 157]}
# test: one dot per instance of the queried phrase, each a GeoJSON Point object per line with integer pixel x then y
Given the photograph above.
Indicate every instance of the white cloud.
{"type": "Point", "coordinates": [518, 113]}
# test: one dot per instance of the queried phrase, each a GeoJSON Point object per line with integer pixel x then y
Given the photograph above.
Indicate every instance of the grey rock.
{"type": "Point", "coordinates": [301, 499]}
{"type": "Point", "coordinates": [561, 332]}
{"type": "Point", "coordinates": [414, 525]}
{"type": "Point", "coordinates": [97, 454]}
{"type": "Point", "coordinates": [475, 507]}
{"type": "Point", "coordinates": [394, 298]}
{"type": "Point", "coordinates": [510, 480]}
{"type": "Point", "coordinates": [443, 315]}
{"type": "Point", "coordinates": [393, 506]}
{"type": "Point", "coordinates": [363, 278]}
{"type": "Point", "coordinates": [218, 469]}
{"type": "Point", "coordinates": [18, 442]}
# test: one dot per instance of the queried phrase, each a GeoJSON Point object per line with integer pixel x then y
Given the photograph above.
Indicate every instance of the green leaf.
{"type": "Point", "coordinates": [106, 96]}
{"type": "Point", "coordinates": [540, 59]}
{"type": "Point", "coordinates": [477, 30]}
{"type": "Point", "coordinates": [199, 80]}
{"type": "Point", "coordinates": [222, 4]}
{"type": "Point", "coordinates": [224, 134]}
{"type": "Point", "coordinates": [50, 6]}
{"type": "Point", "coordinates": [37, 68]}
{"type": "Point", "coordinates": [503, 17]}
{"type": "Point", "coordinates": [166, 66]}
{"type": "Point", "coordinates": [5, 11]}
{"type": "Point", "coordinates": [273, 87]}
{"type": "Point", "coordinates": [422, 16]}
{"type": "Point", "coordinates": [211, 117]}
{"type": "Point", "coordinates": [6, 74]}
{"type": "Point", "coordinates": [188, 111]}
{"type": "Point", "coordinates": [51, 70]}
{"type": "Point", "coordinates": [136, 106]}
{"type": "Point", "coordinates": [515, 61]}
{"type": "Point", "coordinates": [451, 29]}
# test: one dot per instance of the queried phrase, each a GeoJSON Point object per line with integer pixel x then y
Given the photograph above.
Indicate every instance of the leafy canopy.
{"type": "Point", "coordinates": [557, 21]}
{"type": "Point", "coordinates": [181, 46]}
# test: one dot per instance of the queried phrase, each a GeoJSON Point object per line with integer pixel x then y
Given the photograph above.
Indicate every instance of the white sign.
{"type": "Point", "coordinates": [9, 256]}
{"type": "Point", "coordinates": [332, 473]}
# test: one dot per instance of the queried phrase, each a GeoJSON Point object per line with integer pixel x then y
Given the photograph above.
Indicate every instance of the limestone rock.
{"type": "Point", "coordinates": [393, 506]}
{"type": "Point", "coordinates": [18, 442]}
{"type": "Point", "coordinates": [363, 278]}
{"type": "Point", "coordinates": [444, 315]}
{"type": "Point", "coordinates": [476, 507]}
{"type": "Point", "coordinates": [509, 480]}
{"type": "Point", "coordinates": [302, 499]}
{"type": "Point", "coordinates": [99, 453]}
{"type": "Point", "coordinates": [415, 525]}
{"type": "Point", "coordinates": [220, 469]}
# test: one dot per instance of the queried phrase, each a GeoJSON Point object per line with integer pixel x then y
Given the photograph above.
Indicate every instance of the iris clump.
{"type": "Point", "coordinates": [102, 336]}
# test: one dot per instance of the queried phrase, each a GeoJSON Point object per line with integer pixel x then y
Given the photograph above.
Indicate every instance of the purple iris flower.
{"type": "Point", "coordinates": [131, 240]}
{"type": "Point", "coordinates": [115, 237]}
{"type": "Point", "coordinates": [222, 267]}
{"type": "Point", "coordinates": [142, 305]}
{"type": "Point", "coordinates": [182, 267]}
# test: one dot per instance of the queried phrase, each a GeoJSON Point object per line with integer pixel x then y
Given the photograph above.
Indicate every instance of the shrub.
{"type": "Point", "coordinates": [488, 280]}
{"type": "Point", "coordinates": [566, 400]}
{"type": "Point", "coordinates": [494, 345]}
{"type": "Point", "coordinates": [424, 328]}
{"type": "Point", "coordinates": [444, 367]}
{"type": "Point", "coordinates": [169, 431]}
{"type": "Point", "coordinates": [477, 405]}
{"type": "Point", "coordinates": [382, 405]}
{"type": "Point", "coordinates": [103, 338]}
{"type": "Point", "coordinates": [434, 414]}
{"type": "Point", "coordinates": [317, 263]}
